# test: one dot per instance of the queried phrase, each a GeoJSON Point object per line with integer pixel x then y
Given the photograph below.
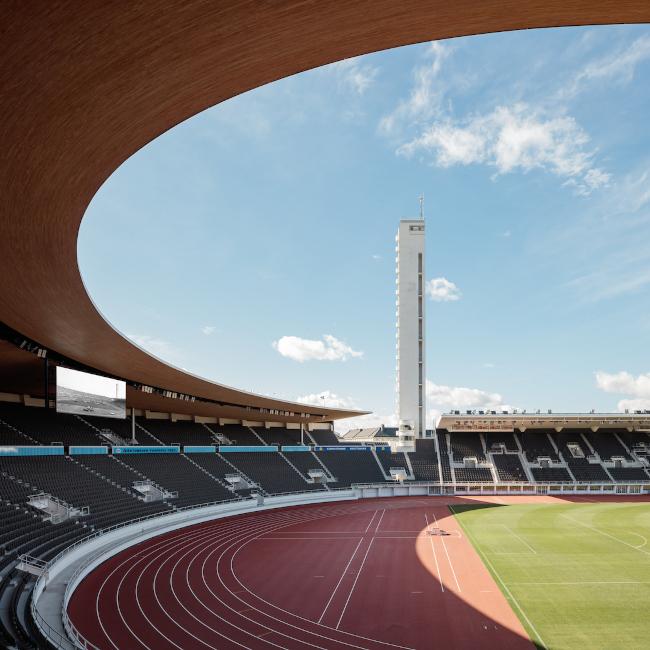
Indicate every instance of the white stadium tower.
{"type": "Point", "coordinates": [410, 382]}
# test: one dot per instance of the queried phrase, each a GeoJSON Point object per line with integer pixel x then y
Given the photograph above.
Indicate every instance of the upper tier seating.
{"type": "Point", "coordinates": [581, 468]}
{"type": "Point", "coordinates": [351, 467]}
{"type": "Point", "coordinates": [535, 443]}
{"type": "Point", "coordinates": [281, 436]}
{"type": "Point", "coordinates": [183, 432]}
{"type": "Point", "coordinates": [634, 438]}
{"type": "Point", "coordinates": [270, 471]}
{"type": "Point", "coordinates": [447, 476]}
{"type": "Point", "coordinates": [324, 438]}
{"type": "Point", "coordinates": [237, 434]}
{"type": "Point", "coordinates": [175, 472]}
{"type": "Point", "coordinates": [424, 460]}
{"type": "Point", "coordinates": [466, 444]}
{"type": "Point", "coordinates": [388, 460]}
{"type": "Point", "coordinates": [493, 438]}
{"type": "Point", "coordinates": [45, 426]}
{"type": "Point", "coordinates": [509, 468]}
{"type": "Point", "coordinates": [606, 444]}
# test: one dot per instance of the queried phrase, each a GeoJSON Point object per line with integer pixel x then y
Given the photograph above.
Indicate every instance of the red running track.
{"type": "Point", "coordinates": [330, 576]}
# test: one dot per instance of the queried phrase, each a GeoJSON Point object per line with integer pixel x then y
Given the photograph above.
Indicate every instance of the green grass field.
{"type": "Point", "coordinates": [577, 575]}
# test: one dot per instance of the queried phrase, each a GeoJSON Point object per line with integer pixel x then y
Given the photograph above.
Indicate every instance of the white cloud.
{"type": "Point", "coordinates": [619, 65]}
{"type": "Point", "coordinates": [158, 347]}
{"type": "Point", "coordinates": [440, 399]}
{"type": "Point", "coordinates": [624, 383]}
{"type": "Point", "coordinates": [354, 75]}
{"type": "Point", "coordinates": [442, 290]}
{"type": "Point", "coordinates": [426, 94]}
{"type": "Point", "coordinates": [506, 234]}
{"type": "Point", "coordinates": [376, 257]}
{"type": "Point", "coordinates": [328, 349]}
{"type": "Point", "coordinates": [208, 329]}
{"type": "Point", "coordinates": [513, 138]}
{"type": "Point", "coordinates": [460, 397]}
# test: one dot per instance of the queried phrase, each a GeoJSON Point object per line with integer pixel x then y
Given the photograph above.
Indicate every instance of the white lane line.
{"type": "Point", "coordinates": [383, 512]}
{"type": "Point", "coordinates": [347, 566]}
{"type": "Point", "coordinates": [503, 584]}
{"type": "Point", "coordinates": [521, 539]}
{"type": "Point", "coordinates": [371, 520]}
{"type": "Point", "coordinates": [435, 557]}
{"type": "Point", "coordinates": [602, 532]}
{"type": "Point", "coordinates": [603, 582]}
{"type": "Point", "coordinates": [442, 539]}
{"type": "Point", "coordinates": [354, 584]}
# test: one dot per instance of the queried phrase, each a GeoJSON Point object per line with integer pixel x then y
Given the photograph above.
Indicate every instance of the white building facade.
{"type": "Point", "coordinates": [410, 384]}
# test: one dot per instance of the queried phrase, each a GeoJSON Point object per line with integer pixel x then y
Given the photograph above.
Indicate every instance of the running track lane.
{"type": "Point", "coordinates": [331, 576]}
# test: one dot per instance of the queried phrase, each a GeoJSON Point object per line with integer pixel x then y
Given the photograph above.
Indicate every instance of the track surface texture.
{"type": "Point", "coordinates": [331, 576]}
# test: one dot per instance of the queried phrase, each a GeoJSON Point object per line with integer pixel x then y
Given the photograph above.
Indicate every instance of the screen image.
{"type": "Point", "coordinates": [81, 393]}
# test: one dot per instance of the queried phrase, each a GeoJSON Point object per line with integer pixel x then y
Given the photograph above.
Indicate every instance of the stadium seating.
{"type": "Point", "coordinates": [606, 444]}
{"type": "Point", "coordinates": [280, 436]}
{"type": "Point", "coordinates": [473, 475]}
{"type": "Point", "coordinates": [238, 434]}
{"type": "Point", "coordinates": [464, 445]}
{"type": "Point", "coordinates": [536, 443]}
{"type": "Point", "coordinates": [551, 475]}
{"type": "Point", "coordinates": [397, 460]}
{"type": "Point", "coordinates": [176, 473]}
{"type": "Point", "coordinates": [351, 467]}
{"type": "Point", "coordinates": [447, 476]}
{"type": "Point", "coordinates": [271, 471]}
{"type": "Point", "coordinates": [497, 438]}
{"type": "Point", "coordinates": [183, 432]}
{"type": "Point", "coordinates": [322, 437]}
{"type": "Point", "coordinates": [424, 461]}
{"type": "Point", "coordinates": [628, 473]}
{"type": "Point", "coordinates": [509, 468]}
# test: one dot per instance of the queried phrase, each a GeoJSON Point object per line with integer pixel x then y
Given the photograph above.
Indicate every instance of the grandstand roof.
{"type": "Point", "coordinates": [510, 421]}
{"type": "Point", "coordinates": [87, 85]}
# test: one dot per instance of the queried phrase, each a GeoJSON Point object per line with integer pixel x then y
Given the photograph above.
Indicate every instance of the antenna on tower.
{"type": "Point", "coordinates": [422, 207]}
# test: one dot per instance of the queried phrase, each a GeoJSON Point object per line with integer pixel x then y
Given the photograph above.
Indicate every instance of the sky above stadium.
{"type": "Point", "coordinates": [254, 244]}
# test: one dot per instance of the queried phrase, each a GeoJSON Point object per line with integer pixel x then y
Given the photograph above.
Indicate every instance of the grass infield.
{"type": "Point", "coordinates": [577, 575]}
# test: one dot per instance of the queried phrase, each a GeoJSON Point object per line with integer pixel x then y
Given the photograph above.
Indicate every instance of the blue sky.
{"type": "Point", "coordinates": [254, 244]}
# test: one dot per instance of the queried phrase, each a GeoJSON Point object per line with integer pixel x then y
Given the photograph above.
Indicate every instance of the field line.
{"type": "Point", "coordinates": [498, 577]}
{"type": "Point", "coordinates": [338, 584]}
{"type": "Point", "coordinates": [442, 539]}
{"type": "Point", "coordinates": [354, 584]}
{"type": "Point", "coordinates": [435, 557]}
{"type": "Point", "coordinates": [602, 532]}
{"type": "Point", "coordinates": [521, 539]}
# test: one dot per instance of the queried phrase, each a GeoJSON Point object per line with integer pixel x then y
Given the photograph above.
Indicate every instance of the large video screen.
{"type": "Point", "coordinates": [81, 393]}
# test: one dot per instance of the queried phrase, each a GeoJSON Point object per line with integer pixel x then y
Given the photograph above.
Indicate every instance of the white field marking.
{"type": "Point", "coordinates": [371, 520]}
{"type": "Point", "coordinates": [223, 528]}
{"type": "Point", "coordinates": [435, 557]}
{"type": "Point", "coordinates": [383, 512]}
{"type": "Point", "coordinates": [521, 539]}
{"type": "Point", "coordinates": [602, 532]}
{"type": "Point", "coordinates": [645, 541]}
{"type": "Point", "coordinates": [604, 582]}
{"type": "Point", "coordinates": [354, 584]}
{"type": "Point", "coordinates": [343, 510]}
{"type": "Point", "coordinates": [503, 584]}
{"type": "Point", "coordinates": [442, 539]}
{"type": "Point", "coordinates": [347, 566]}
{"type": "Point", "coordinates": [230, 544]}
{"type": "Point", "coordinates": [246, 525]}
